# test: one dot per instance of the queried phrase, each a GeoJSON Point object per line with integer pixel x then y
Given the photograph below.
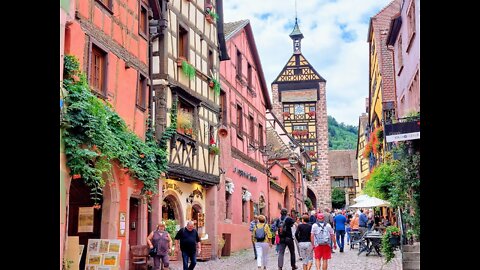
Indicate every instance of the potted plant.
{"type": "Point", "coordinates": [184, 122]}
{"type": "Point", "coordinates": [311, 113]}
{"type": "Point", "coordinates": [392, 234]}
{"type": "Point", "coordinates": [286, 114]}
{"type": "Point", "coordinates": [410, 235]}
{"type": "Point", "coordinates": [171, 227]}
{"type": "Point", "coordinates": [312, 153]}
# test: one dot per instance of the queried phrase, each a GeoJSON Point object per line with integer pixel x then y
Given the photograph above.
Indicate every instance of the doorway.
{"type": "Point", "coordinates": [133, 219]}
{"type": "Point", "coordinates": [170, 209]}
{"type": "Point", "coordinates": [81, 225]}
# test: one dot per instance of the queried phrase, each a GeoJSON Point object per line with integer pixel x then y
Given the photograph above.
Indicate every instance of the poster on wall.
{"type": "Point", "coordinates": [85, 219]}
{"type": "Point", "coordinates": [103, 254]}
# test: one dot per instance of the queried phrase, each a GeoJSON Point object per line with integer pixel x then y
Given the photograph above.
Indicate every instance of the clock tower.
{"type": "Point", "coordinates": [299, 101]}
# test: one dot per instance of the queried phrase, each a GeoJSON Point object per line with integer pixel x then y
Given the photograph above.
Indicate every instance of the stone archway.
{"type": "Point", "coordinates": [313, 198]}
{"type": "Point", "coordinates": [171, 209]}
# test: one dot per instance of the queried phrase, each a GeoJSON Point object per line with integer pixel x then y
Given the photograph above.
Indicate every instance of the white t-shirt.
{"type": "Point", "coordinates": [316, 229]}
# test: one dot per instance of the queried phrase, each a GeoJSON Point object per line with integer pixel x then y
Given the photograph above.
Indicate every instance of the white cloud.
{"type": "Point", "coordinates": [343, 64]}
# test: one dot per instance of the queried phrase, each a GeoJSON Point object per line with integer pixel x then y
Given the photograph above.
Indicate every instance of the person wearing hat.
{"type": "Point", "coordinates": [322, 251]}
{"type": "Point", "coordinates": [161, 239]}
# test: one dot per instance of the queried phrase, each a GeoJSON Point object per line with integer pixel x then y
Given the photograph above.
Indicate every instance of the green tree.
{"type": "Point", "coordinates": [381, 181]}
{"type": "Point", "coordinates": [338, 198]}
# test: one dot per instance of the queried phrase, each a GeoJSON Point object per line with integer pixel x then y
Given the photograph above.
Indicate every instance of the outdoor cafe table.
{"type": "Point", "coordinates": [374, 241]}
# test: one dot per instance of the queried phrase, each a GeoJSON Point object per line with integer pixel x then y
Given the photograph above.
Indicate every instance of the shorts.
{"type": "Point", "coordinates": [323, 252]}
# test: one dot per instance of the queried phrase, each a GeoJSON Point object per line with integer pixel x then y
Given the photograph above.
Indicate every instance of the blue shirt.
{"type": "Point", "coordinates": [362, 222]}
{"type": "Point", "coordinates": [340, 222]}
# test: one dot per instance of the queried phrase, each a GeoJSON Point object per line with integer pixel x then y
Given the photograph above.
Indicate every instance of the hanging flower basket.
{"type": "Point", "coordinates": [311, 113]}
{"type": "Point", "coordinates": [213, 149]}
{"type": "Point", "coordinates": [312, 153]}
{"type": "Point", "coordinates": [286, 114]}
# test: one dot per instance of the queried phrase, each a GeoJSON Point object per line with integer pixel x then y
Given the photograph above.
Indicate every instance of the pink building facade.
{"type": "Point", "coordinates": [404, 41]}
{"type": "Point", "coordinates": [244, 100]}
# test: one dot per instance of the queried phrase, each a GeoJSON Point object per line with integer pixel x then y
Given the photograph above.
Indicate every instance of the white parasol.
{"type": "Point", "coordinates": [370, 202]}
{"type": "Point", "coordinates": [361, 198]}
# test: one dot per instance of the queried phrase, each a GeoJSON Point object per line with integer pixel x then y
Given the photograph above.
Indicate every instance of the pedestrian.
{"type": "Point", "coordinates": [189, 245]}
{"type": "Point", "coordinates": [252, 225]}
{"type": "Point", "coordinates": [362, 222]}
{"type": "Point", "coordinates": [329, 219]}
{"type": "Point", "coordinates": [321, 235]}
{"type": "Point", "coordinates": [294, 229]}
{"type": "Point", "coordinates": [305, 246]}
{"type": "Point", "coordinates": [262, 239]}
{"type": "Point", "coordinates": [312, 219]}
{"type": "Point", "coordinates": [284, 225]}
{"type": "Point", "coordinates": [340, 221]}
{"type": "Point", "coordinates": [348, 228]}
{"type": "Point", "coordinates": [160, 239]}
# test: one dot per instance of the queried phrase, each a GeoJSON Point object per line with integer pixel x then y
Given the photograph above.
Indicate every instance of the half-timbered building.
{"type": "Point", "coordinates": [299, 101]}
{"type": "Point", "coordinates": [185, 81]}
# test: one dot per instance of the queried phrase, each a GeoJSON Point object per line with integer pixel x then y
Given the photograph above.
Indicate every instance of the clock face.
{"type": "Point", "coordinates": [299, 109]}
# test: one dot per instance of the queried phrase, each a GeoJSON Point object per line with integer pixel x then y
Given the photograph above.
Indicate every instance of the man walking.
{"type": "Point", "coordinates": [252, 225]}
{"type": "Point", "coordinates": [321, 235]}
{"type": "Point", "coordinates": [339, 220]}
{"type": "Point", "coordinates": [189, 245]}
{"type": "Point", "coordinates": [284, 227]}
{"type": "Point", "coordinates": [329, 219]}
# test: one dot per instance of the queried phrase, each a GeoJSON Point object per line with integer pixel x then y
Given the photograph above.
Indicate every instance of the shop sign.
{"type": "Point", "coordinates": [245, 174]}
{"type": "Point", "coordinates": [172, 186]}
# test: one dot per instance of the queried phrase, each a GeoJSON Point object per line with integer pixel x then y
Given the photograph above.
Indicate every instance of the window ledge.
{"type": "Point", "coordinates": [107, 8]}
{"type": "Point", "coordinates": [410, 41]}
{"type": "Point", "coordinates": [143, 35]}
{"type": "Point", "coordinates": [140, 108]}
{"type": "Point", "coordinates": [99, 95]}
{"type": "Point", "coordinates": [400, 71]}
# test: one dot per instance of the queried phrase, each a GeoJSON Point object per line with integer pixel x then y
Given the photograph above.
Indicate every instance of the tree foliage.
{"type": "Point", "coordinates": [95, 136]}
{"type": "Point", "coordinates": [341, 136]}
{"type": "Point", "coordinates": [338, 198]}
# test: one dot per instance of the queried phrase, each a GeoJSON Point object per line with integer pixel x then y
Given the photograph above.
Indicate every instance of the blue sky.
{"type": "Point", "coordinates": [335, 43]}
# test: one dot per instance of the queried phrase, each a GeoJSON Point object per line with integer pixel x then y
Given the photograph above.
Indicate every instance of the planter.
{"type": "Point", "coordinates": [394, 240]}
{"type": "Point", "coordinates": [180, 60]}
{"type": "Point", "coordinates": [209, 19]}
{"type": "Point", "coordinates": [211, 84]}
{"type": "Point", "coordinates": [76, 176]}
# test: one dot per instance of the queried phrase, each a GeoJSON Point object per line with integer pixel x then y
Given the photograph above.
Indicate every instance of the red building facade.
{"type": "Point", "coordinates": [243, 102]}
{"type": "Point", "coordinates": [110, 40]}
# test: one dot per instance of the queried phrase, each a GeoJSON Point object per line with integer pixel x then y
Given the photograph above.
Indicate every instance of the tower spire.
{"type": "Point", "coordinates": [296, 35]}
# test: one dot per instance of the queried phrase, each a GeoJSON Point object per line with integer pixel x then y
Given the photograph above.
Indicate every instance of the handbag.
{"type": "Point", "coordinates": [153, 252]}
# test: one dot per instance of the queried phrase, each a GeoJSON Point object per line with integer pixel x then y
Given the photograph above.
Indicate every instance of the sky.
{"type": "Point", "coordinates": [335, 43]}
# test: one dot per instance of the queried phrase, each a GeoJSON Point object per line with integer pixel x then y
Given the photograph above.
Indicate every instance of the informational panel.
{"type": "Point", "coordinates": [85, 219]}
{"type": "Point", "coordinates": [299, 95]}
{"type": "Point", "coordinates": [103, 254]}
{"type": "Point", "coordinates": [201, 219]}
{"type": "Point", "coordinates": [122, 223]}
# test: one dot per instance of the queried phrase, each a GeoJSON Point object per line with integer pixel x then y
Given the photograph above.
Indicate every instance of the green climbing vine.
{"type": "Point", "coordinates": [95, 135]}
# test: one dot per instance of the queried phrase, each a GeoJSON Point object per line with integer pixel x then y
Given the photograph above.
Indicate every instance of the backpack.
{"type": "Point", "coordinates": [322, 237]}
{"type": "Point", "coordinates": [260, 233]}
{"type": "Point", "coordinates": [282, 227]}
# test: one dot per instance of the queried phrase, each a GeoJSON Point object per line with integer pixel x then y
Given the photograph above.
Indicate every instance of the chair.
{"type": "Point", "coordinates": [139, 256]}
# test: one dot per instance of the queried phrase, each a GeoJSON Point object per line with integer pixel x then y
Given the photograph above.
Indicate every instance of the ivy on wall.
{"type": "Point", "coordinates": [95, 136]}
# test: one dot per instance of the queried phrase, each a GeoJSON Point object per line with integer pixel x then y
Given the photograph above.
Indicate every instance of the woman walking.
{"type": "Point", "coordinates": [262, 237]}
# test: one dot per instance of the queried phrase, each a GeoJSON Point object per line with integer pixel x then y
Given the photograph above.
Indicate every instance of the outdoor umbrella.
{"type": "Point", "coordinates": [361, 198]}
{"type": "Point", "coordinates": [370, 202]}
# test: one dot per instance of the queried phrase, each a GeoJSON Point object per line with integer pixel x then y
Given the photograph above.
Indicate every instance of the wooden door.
{"type": "Point", "coordinates": [80, 198]}
{"type": "Point", "coordinates": [133, 222]}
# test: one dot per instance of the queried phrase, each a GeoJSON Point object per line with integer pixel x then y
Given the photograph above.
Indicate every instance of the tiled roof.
{"type": "Point", "coordinates": [231, 28]}
{"type": "Point", "coordinates": [342, 163]}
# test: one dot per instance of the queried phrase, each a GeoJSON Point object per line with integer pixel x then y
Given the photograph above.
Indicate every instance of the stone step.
{"type": "Point", "coordinates": [411, 256]}
{"type": "Point", "coordinates": [411, 265]}
{"type": "Point", "coordinates": [412, 248]}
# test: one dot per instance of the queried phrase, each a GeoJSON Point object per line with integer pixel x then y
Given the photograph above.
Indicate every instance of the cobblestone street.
{"type": "Point", "coordinates": [243, 260]}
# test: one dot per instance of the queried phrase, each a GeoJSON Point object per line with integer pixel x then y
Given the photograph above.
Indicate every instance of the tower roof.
{"type": "Point", "coordinates": [296, 31]}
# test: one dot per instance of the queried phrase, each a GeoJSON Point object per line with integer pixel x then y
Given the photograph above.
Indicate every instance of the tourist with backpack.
{"type": "Point", "coordinates": [252, 224]}
{"type": "Point", "coordinates": [321, 237]}
{"type": "Point", "coordinates": [284, 229]}
{"type": "Point", "coordinates": [262, 237]}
